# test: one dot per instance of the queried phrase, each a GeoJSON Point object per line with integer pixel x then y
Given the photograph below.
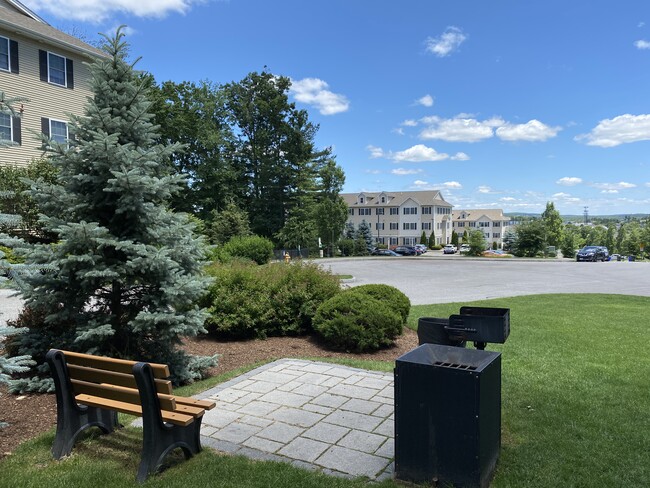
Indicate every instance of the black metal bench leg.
{"type": "Point", "coordinates": [159, 438]}
{"type": "Point", "coordinates": [72, 419]}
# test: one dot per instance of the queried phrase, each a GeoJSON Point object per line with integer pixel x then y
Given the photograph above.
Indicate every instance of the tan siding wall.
{"type": "Point", "coordinates": [5, 4]}
{"type": "Point", "coordinates": [45, 99]}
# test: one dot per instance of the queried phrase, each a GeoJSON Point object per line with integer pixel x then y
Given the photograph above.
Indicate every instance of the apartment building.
{"type": "Point", "coordinates": [398, 218]}
{"type": "Point", "coordinates": [45, 66]}
{"type": "Point", "coordinates": [491, 222]}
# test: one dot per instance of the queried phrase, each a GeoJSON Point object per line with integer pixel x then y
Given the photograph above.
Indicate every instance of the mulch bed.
{"type": "Point", "coordinates": [31, 415]}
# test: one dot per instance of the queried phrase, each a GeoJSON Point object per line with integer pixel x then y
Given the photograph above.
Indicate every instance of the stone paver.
{"type": "Point", "coordinates": [316, 416]}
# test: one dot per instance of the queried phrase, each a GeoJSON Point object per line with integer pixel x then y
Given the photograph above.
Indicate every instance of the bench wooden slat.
{"type": "Point", "coordinates": [94, 375]}
{"type": "Point", "coordinates": [94, 401]}
{"type": "Point", "coordinates": [204, 404]}
{"type": "Point", "coordinates": [119, 393]}
{"type": "Point", "coordinates": [112, 364]}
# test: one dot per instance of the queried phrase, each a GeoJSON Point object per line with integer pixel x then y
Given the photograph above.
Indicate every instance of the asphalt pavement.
{"type": "Point", "coordinates": [437, 278]}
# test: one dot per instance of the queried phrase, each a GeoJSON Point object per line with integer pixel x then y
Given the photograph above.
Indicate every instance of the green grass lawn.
{"type": "Point", "coordinates": [576, 410]}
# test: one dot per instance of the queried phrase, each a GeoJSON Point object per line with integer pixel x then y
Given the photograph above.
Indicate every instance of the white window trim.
{"type": "Point", "coordinates": [11, 128]}
{"type": "Point", "coordinates": [65, 70]}
{"type": "Point", "coordinates": [67, 130]}
{"type": "Point", "coordinates": [8, 69]}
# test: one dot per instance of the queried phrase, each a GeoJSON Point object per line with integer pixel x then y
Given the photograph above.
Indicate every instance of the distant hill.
{"type": "Point", "coordinates": [580, 217]}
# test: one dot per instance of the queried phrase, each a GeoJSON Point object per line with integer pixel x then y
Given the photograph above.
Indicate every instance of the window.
{"type": "Point", "coordinates": [487, 235]}
{"type": "Point", "coordinates": [56, 69]}
{"type": "Point", "coordinates": [5, 127]}
{"type": "Point", "coordinates": [350, 211]}
{"type": "Point", "coordinates": [394, 211]}
{"type": "Point", "coordinates": [381, 240]}
{"type": "Point", "coordinates": [460, 224]}
{"type": "Point", "coordinates": [383, 199]}
{"type": "Point", "coordinates": [410, 211]}
{"type": "Point", "coordinates": [57, 130]}
{"type": "Point", "coordinates": [443, 210]}
{"type": "Point", "coordinates": [394, 226]}
{"type": "Point", "coordinates": [379, 226]}
{"type": "Point", "coordinates": [426, 210]}
{"type": "Point", "coordinates": [410, 241]}
{"type": "Point", "coordinates": [361, 200]}
{"type": "Point", "coordinates": [484, 224]}
{"type": "Point", "coordinates": [365, 211]}
{"type": "Point", "coordinates": [409, 226]}
{"type": "Point", "coordinates": [10, 128]}
{"type": "Point", "coordinates": [496, 235]}
{"type": "Point", "coordinates": [380, 211]}
{"type": "Point", "coordinates": [496, 223]}
{"type": "Point", "coordinates": [472, 224]}
{"type": "Point", "coordinates": [426, 225]}
{"type": "Point", "coordinates": [4, 54]}
{"type": "Point", "coordinates": [393, 241]}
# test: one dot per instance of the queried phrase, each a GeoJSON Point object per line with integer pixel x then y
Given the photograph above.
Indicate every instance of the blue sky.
{"type": "Point", "coordinates": [498, 104]}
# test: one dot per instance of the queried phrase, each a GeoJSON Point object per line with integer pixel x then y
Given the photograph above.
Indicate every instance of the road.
{"type": "Point", "coordinates": [427, 280]}
{"type": "Point", "coordinates": [454, 278]}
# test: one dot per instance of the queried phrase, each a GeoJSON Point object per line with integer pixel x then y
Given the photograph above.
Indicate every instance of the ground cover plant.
{"type": "Point", "coordinates": [575, 371]}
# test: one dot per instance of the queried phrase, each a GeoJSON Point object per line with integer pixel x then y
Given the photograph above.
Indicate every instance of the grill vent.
{"type": "Point", "coordinates": [444, 364]}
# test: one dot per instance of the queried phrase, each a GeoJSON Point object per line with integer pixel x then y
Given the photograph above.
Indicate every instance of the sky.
{"type": "Point", "coordinates": [496, 103]}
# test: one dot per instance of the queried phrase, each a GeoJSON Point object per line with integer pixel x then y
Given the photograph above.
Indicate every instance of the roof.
{"type": "Point", "coordinates": [23, 21]}
{"type": "Point", "coordinates": [396, 198]}
{"type": "Point", "coordinates": [474, 214]}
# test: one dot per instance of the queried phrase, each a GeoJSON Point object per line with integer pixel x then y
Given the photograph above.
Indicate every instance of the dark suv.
{"type": "Point", "coordinates": [407, 251]}
{"type": "Point", "coordinates": [592, 253]}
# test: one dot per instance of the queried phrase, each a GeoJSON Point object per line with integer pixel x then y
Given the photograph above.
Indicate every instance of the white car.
{"type": "Point", "coordinates": [464, 248]}
{"type": "Point", "coordinates": [449, 249]}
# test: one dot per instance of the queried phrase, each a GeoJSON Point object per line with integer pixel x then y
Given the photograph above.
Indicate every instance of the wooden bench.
{"type": "Point", "coordinates": [90, 390]}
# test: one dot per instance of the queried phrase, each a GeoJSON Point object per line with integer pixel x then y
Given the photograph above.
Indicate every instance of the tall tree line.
{"type": "Point", "coordinates": [245, 144]}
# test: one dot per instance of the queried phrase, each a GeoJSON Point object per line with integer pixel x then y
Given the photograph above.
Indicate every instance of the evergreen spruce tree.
{"type": "Point", "coordinates": [364, 236]}
{"type": "Point", "coordinates": [432, 239]}
{"type": "Point", "coordinates": [126, 268]}
{"type": "Point", "coordinates": [423, 238]}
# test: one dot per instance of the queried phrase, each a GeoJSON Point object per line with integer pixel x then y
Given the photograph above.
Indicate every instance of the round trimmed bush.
{"type": "Point", "coordinates": [255, 248]}
{"type": "Point", "coordinates": [356, 322]}
{"type": "Point", "coordinates": [389, 295]}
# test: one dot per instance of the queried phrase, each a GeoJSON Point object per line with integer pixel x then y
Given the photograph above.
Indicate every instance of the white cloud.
{"type": "Point", "coordinates": [609, 191]}
{"type": "Point", "coordinates": [314, 91]}
{"type": "Point", "coordinates": [561, 195]}
{"type": "Point", "coordinates": [375, 152]}
{"type": "Point", "coordinates": [96, 11]}
{"type": "Point", "coordinates": [399, 131]}
{"type": "Point", "coordinates": [410, 123]}
{"type": "Point", "coordinates": [403, 171]}
{"type": "Point", "coordinates": [419, 154]}
{"type": "Point", "coordinates": [569, 181]}
{"type": "Point", "coordinates": [426, 100]}
{"type": "Point", "coordinates": [622, 185]}
{"type": "Point", "coordinates": [460, 129]}
{"type": "Point", "coordinates": [452, 185]}
{"type": "Point", "coordinates": [448, 42]}
{"type": "Point", "coordinates": [508, 199]}
{"type": "Point", "coordinates": [373, 171]}
{"type": "Point", "coordinates": [484, 189]}
{"type": "Point", "coordinates": [619, 130]}
{"type": "Point", "coordinates": [641, 44]}
{"type": "Point", "coordinates": [532, 131]}
{"type": "Point", "coordinates": [420, 183]}
{"type": "Point", "coordinates": [460, 156]}
{"type": "Point", "coordinates": [648, 184]}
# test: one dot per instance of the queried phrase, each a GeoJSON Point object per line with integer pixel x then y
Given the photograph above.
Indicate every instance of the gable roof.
{"type": "Point", "coordinates": [474, 214]}
{"type": "Point", "coordinates": [396, 198]}
{"type": "Point", "coordinates": [21, 20]}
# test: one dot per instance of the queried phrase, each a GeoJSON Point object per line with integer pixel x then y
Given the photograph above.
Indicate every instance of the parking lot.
{"type": "Point", "coordinates": [453, 278]}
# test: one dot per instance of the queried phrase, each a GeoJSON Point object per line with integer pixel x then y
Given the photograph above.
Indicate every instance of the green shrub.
{"type": "Point", "coordinates": [255, 248]}
{"type": "Point", "coordinates": [246, 300]}
{"type": "Point", "coordinates": [357, 322]}
{"type": "Point", "coordinates": [347, 247]}
{"type": "Point", "coordinates": [11, 257]}
{"type": "Point", "coordinates": [389, 295]}
{"type": "Point", "coordinates": [437, 247]}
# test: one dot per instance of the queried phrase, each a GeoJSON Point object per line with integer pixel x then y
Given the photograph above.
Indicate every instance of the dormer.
{"type": "Point", "coordinates": [382, 198]}
{"type": "Point", "coordinates": [362, 199]}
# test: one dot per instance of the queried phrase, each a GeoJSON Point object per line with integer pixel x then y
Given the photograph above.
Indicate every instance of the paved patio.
{"type": "Point", "coordinates": [319, 416]}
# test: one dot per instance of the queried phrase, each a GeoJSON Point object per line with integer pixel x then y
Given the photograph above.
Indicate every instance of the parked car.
{"type": "Point", "coordinates": [449, 249]}
{"type": "Point", "coordinates": [591, 253]}
{"type": "Point", "coordinates": [384, 252]}
{"type": "Point", "coordinates": [407, 251]}
{"type": "Point", "coordinates": [464, 248]}
{"type": "Point", "coordinates": [606, 251]}
{"type": "Point", "coordinates": [421, 248]}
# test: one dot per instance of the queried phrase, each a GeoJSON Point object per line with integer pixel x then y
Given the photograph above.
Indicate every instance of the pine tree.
{"type": "Point", "coordinates": [127, 269]}
{"type": "Point", "coordinates": [423, 238]}
{"type": "Point", "coordinates": [363, 239]}
{"type": "Point", "coordinates": [16, 364]}
{"type": "Point", "coordinates": [432, 240]}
